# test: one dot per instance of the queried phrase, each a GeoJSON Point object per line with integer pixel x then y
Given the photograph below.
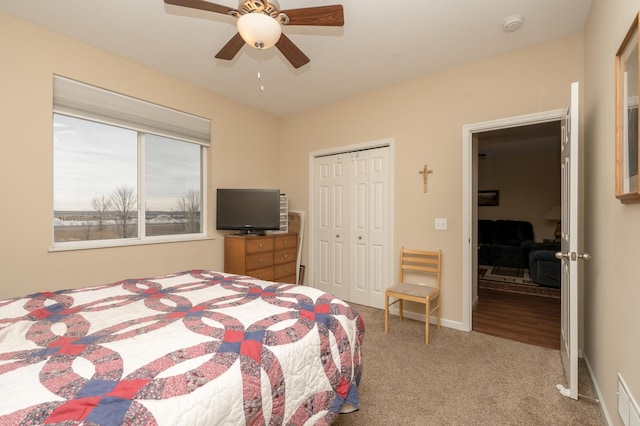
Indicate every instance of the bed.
{"type": "Point", "coordinates": [193, 348]}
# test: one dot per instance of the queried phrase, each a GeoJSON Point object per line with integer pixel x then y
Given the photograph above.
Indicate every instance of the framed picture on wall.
{"type": "Point", "coordinates": [627, 60]}
{"type": "Point", "coordinates": [489, 198]}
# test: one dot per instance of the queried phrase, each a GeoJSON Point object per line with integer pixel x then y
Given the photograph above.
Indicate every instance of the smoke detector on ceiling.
{"type": "Point", "coordinates": [513, 23]}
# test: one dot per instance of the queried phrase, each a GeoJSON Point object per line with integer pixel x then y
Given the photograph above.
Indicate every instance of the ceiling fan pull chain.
{"type": "Point", "coordinates": [260, 71]}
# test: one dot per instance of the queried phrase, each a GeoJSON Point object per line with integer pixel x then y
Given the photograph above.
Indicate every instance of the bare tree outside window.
{"type": "Point", "coordinates": [190, 205]}
{"type": "Point", "coordinates": [101, 205]}
{"type": "Point", "coordinates": [123, 203]}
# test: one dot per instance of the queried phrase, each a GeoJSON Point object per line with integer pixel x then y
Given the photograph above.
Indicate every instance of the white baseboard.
{"type": "Point", "coordinates": [603, 406]}
{"type": "Point", "coordinates": [456, 325]}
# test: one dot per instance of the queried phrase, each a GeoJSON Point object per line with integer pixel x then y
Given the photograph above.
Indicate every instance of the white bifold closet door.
{"type": "Point", "coordinates": [352, 220]}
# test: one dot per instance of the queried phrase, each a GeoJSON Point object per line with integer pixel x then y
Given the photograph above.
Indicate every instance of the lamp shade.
{"type": "Point", "coordinates": [554, 213]}
{"type": "Point", "coordinates": [259, 30]}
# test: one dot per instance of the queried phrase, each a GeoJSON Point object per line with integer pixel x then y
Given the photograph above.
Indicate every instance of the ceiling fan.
{"type": "Point", "coordinates": [260, 21]}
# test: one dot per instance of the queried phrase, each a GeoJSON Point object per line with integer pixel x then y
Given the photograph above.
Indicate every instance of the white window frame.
{"type": "Point", "coordinates": [86, 102]}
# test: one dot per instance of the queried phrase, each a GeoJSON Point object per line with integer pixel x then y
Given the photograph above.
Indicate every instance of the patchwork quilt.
{"type": "Point", "coordinates": [190, 348]}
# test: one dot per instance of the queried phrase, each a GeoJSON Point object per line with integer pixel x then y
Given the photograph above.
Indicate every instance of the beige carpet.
{"type": "Point", "coordinates": [461, 379]}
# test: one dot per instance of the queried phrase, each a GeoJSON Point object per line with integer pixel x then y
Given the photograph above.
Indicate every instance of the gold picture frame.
{"type": "Point", "coordinates": [627, 79]}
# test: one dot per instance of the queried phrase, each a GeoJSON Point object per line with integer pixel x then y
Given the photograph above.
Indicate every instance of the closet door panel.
{"type": "Point", "coordinates": [359, 222]}
{"type": "Point", "coordinates": [379, 226]}
{"type": "Point", "coordinates": [331, 227]}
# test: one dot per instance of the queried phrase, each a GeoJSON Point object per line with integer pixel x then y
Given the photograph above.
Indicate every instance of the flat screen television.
{"type": "Point", "coordinates": [250, 211]}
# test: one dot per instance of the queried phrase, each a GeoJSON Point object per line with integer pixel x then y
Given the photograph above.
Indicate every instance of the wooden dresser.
{"type": "Point", "coordinates": [268, 257]}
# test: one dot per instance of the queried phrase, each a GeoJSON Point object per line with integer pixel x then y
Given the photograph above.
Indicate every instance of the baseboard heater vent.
{"type": "Point", "coordinates": [627, 406]}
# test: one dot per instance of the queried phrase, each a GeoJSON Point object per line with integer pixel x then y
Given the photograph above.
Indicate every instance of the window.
{"type": "Point", "coordinates": [125, 171]}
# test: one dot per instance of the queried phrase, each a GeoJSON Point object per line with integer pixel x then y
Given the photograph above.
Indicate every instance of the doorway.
{"type": "Point", "coordinates": [472, 136]}
{"type": "Point", "coordinates": [518, 274]}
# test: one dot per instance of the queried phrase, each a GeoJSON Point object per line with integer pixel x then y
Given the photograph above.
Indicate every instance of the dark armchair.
{"type": "Point", "coordinates": [504, 242]}
{"type": "Point", "coordinates": [544, 267]}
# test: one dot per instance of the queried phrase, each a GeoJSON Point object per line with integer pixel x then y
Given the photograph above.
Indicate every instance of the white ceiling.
{"type": "Point", "coordinates": [381, 44]}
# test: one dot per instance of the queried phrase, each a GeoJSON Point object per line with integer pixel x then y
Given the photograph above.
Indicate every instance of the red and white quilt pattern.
{"type": "Point", "coordinates": [193, 348]}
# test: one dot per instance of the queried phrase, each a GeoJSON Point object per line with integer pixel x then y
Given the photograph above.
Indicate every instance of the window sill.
{"type": "Point", "coordinates": [98, 244]}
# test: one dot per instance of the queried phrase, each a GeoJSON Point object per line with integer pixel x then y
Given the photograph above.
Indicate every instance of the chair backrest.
{"type": "Point", "coordinates": [421, 261]}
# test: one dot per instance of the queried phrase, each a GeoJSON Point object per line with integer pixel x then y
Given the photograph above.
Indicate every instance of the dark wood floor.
{"type": "Point", "coordinates": [521, 317]}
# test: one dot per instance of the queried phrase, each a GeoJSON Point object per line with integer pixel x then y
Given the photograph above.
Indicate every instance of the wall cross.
{"type": "Point", "coordinates": [425, 173]}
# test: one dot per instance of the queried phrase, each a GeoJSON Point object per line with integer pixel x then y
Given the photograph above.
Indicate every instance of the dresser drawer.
{"type": "Point", "coordinates": [259, 260]}
{"type": "Point", "coordinates": [286, 241]}
{"type": "Point", "coordinates": [263, 273]}
{"type": "Point", "coordinates": [283, 256]}
{"type": "Point", "coordinates": [259, 245]}
{"type": "Point", "coordinates": [284, 270]}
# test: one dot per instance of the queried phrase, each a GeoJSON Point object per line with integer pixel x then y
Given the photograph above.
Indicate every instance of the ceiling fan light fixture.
{"type": "Point", "coordinates": [259, 30]}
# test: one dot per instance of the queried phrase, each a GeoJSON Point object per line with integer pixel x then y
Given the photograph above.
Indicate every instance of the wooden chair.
{"type": "Point", "coordinates": [421, 262]}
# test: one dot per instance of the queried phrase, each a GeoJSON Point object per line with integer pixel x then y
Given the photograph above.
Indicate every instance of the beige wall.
{"type": "Point", "coordinates": [529, 185]}
{"type": "Point", "coordinates": [612, 229]}
{"type": "Point", "coordinates": [425, 119]}
{"type": "Point", "coordinates": [30, 56]}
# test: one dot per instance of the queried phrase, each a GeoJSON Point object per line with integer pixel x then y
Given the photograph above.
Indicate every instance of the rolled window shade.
{"type": "Point", "coordinates": [82, 100]}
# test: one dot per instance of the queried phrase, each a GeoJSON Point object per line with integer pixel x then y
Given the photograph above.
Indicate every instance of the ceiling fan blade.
{"type": "Point", "coordinates": [291, 52]}
{"type": "Point", "coordinates": [202, 5]}
{"type": "Point", "coordinates": [231, 49]}
{"type": "Point", "coordinates": [331, 16]}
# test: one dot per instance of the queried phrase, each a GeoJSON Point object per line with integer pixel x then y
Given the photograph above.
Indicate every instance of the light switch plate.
{"type": "Point", "coordinates": [441, 224]}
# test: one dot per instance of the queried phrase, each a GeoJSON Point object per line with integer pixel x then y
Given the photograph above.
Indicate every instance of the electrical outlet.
{"type": "Point", "coordinates": [441, 224]}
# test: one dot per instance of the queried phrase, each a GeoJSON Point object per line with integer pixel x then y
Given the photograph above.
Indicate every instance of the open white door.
{"type": "Point", "coordinates": [569, 255]}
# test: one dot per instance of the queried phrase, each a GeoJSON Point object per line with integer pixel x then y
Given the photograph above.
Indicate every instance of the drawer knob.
{"type": "Point", "coordinates": [286, 242]}
{"type": "Point", "coordinates": [260, 261]}
{"type": "Point", "coordinates": [286, 256]}
{"type": "Point", "coordinates": [286, 269]}
{"type": "Point", "coordinates": [260, 245]}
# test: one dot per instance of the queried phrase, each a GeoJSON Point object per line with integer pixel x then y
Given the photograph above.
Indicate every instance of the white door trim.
{"type": "Point", "coordinates": [469, 197]}
{"type": "Point", "coordinates": [339, 150]}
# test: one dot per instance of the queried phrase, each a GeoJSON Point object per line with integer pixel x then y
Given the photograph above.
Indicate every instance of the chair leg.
{"type": "Point", "coordinates": [401, 307]}
{"type": "Point", "coordinates": [438, 308]}
{"type": "Point", "coordinates": [426, 326]}
{"type": "Point", "coordinates": [386, 314]}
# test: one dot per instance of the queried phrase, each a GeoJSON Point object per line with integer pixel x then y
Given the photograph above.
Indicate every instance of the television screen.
{"type": "Point", "coordinates": [248, 210]}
